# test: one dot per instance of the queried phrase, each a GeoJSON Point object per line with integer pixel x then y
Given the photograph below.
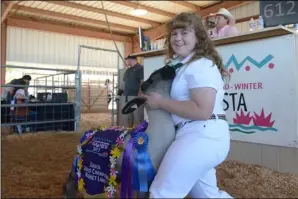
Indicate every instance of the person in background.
{"type": "Point", "coordinates": [210, 24]}
{"type": "Point", "coordinates": [132, 78]}
{"type": "Point", "coordinates": [202, 139]}
{"type": "Point", "coordinates": [22, 114]}
{"type": "Point", "coordinates": [109, 88]}
{"type": "Point", "coordinates": [131, 87]}
{"type": "Point", "coordinates": [10, 92]}
{"type": "Point", "coordinates": [225, 25]}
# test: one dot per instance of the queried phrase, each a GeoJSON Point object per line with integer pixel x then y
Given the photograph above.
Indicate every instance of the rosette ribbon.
{"type": "Point", "coordinates": [126, 171]}
{"type": "Point", "coordinates": [127, 164]}
{"type": "Point", "coordinates": [143, 171]}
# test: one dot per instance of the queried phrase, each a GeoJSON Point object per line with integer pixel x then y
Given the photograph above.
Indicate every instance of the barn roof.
{"type": "Point", "coordinates": [91, 14]}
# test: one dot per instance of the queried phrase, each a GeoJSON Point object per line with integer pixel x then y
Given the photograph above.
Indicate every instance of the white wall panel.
{"type": "Point", "coordinates": [42, 47]}
{"type": "Point", "coordinates": [243, 27]}
{"type": "Point", "coordinates": [246, 10]}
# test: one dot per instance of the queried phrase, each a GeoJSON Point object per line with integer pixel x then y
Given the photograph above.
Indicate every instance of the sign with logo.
{"type": "Point", "coordinates": [260, 99]}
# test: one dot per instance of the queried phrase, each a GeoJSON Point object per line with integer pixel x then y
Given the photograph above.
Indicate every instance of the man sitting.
{"type": "Point", "coordinates": [225, 25]}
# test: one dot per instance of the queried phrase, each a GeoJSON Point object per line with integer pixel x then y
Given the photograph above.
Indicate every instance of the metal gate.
{"type": "Point", "coordinates": [90, 101]}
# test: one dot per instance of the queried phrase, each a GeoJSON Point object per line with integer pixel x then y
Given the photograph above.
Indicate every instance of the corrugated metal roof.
{"type": "Point", "coordinates": [118, 14]}
{"type": "Point", "coordinates": [60, 19]}
{"type": "Point", "coordinates": [203, 3]}
{"type": "Point", "coordinates": [166, 6]}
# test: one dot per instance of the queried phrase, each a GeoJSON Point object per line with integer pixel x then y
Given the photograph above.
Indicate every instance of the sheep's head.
{"type": "Point", "coordinates": [160, 81]}
{"type": "Point", "coordinates": [167, 72]}
{"type": "Point", "coordinates": [161, 87]}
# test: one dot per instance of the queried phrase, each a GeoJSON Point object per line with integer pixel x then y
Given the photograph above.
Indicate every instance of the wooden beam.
{"type": "Point", "coordinates": [247, 18]}
{"type": "Point", "coordinates": [73, 18]}
{"type": "Point", "coordinates": [224, 4]}
{"type": "Point", "coordinates": [17, 22]}
{"type": "Point", "coordinates": [161, 30]}
{"type": "Point", "coordinates": [187, 5]}
{"type": "Point", "coordinates": [128, 49]}
{"type": "Point", "coordinates": [149, 9]}
{"type": "Point", "coordinates": [102, 11]}
{"type": "Point", "coordinates": [70, 24]}
{"type": "Point", "coordinates": [3, 52]}
{"type": "Point", "coordinates": [6, 10]}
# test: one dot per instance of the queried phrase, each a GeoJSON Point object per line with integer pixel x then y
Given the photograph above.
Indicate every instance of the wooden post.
{"type": "Point", "coordinates": [3, 51]}
{"type": "Point", "coordinates": [89, 98]}
{"type": "Point", "coordinates": [4, 130]}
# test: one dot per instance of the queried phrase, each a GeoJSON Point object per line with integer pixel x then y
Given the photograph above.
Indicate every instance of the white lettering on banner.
{"type": "Point", "coordinates": [100, 179]}
{"type": "Point", "coordinates": [92, 172]}
{"type": "Point", "coordinates": [95, 166]}
{"type": "Point", "coordinates": [87, 169]}
{"type": "Point", "coordinates": [97, 145]}
{"type": "Point", "coordinates": [103, 155]}
{"type": "Point", "coordinates": [90, 177]}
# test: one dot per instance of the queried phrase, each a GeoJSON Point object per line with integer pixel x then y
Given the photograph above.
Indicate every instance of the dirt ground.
{"type": "Point", "coordinates": [36, 165]}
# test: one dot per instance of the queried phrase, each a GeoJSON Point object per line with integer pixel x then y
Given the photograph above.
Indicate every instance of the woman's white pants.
{"type": "Point", "coordinates": [189, 164]}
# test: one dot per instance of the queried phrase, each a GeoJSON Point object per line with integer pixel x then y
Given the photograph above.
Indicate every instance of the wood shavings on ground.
{"type": "Point", "coordinates": [36, 165]}
{"type": "Point", "coordinates": [254, 181]}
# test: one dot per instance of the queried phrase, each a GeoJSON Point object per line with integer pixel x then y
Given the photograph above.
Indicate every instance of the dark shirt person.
{"type": "Point", "coordinates": [132, 78]}
{"type": "Point", "coordinates": [12, 90]}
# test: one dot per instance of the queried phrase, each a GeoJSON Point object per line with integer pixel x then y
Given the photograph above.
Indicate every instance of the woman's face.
{"type": "Point", "coordinates": [183, 41]}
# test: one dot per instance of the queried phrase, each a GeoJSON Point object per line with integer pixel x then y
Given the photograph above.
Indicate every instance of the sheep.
{"type": "Point", "coordinates": [160, 130]}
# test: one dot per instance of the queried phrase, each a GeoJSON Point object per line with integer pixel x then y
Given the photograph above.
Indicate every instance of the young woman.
{"type": "Point", "coordinates": [202, 139]}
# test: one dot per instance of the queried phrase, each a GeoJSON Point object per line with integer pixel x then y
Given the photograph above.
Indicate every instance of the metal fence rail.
{"type": "Point", "coordinates": [47, 83]}
{"type": "Point", "coordinates": [114, 82]}
{"type": "Point", "coordinates": [47, 107]}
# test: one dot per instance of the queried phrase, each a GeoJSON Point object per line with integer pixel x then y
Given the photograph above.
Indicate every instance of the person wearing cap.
{"type": "Point", "coordinates": [132, 78]}
{"type": "Point", "coordinates": [225, 25]}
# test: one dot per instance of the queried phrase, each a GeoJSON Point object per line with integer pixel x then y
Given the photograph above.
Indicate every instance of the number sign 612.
{"type": "Point", "coordinates": [280, 8]}
{"type": "Point", "coordinates": [279, 12]}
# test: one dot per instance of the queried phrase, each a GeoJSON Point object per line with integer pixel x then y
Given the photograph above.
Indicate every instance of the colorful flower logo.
{"type": "Point", "coordinates": [245, 123]}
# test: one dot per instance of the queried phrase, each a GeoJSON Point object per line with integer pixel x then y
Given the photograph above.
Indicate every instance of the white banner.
{"type": "Point", "coordinates": [260, 98]}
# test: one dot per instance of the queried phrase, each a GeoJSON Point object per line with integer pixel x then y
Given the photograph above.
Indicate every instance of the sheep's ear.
{"type": "Point", "coordinates": [133, 104]}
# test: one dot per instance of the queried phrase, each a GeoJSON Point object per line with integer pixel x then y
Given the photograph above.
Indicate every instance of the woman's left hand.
{"type": "Point", "coordinates": [153, 100]}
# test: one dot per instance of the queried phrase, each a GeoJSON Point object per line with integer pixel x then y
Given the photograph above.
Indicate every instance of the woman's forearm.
{"type": "Point", "coordinates": [187, 109]}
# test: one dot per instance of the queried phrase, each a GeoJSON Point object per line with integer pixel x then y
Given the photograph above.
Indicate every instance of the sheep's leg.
{"type": "Point", "coordinates": [70, 186]}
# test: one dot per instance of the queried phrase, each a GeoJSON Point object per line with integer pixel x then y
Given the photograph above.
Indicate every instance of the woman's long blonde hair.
{"type": "Point", "coordinates": [204, 47]}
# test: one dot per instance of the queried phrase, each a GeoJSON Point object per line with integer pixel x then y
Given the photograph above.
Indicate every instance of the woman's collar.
{"type": "Point", "coordinates": [186, 59]}
{"type": "Point", "coordinates": [176, 59]}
